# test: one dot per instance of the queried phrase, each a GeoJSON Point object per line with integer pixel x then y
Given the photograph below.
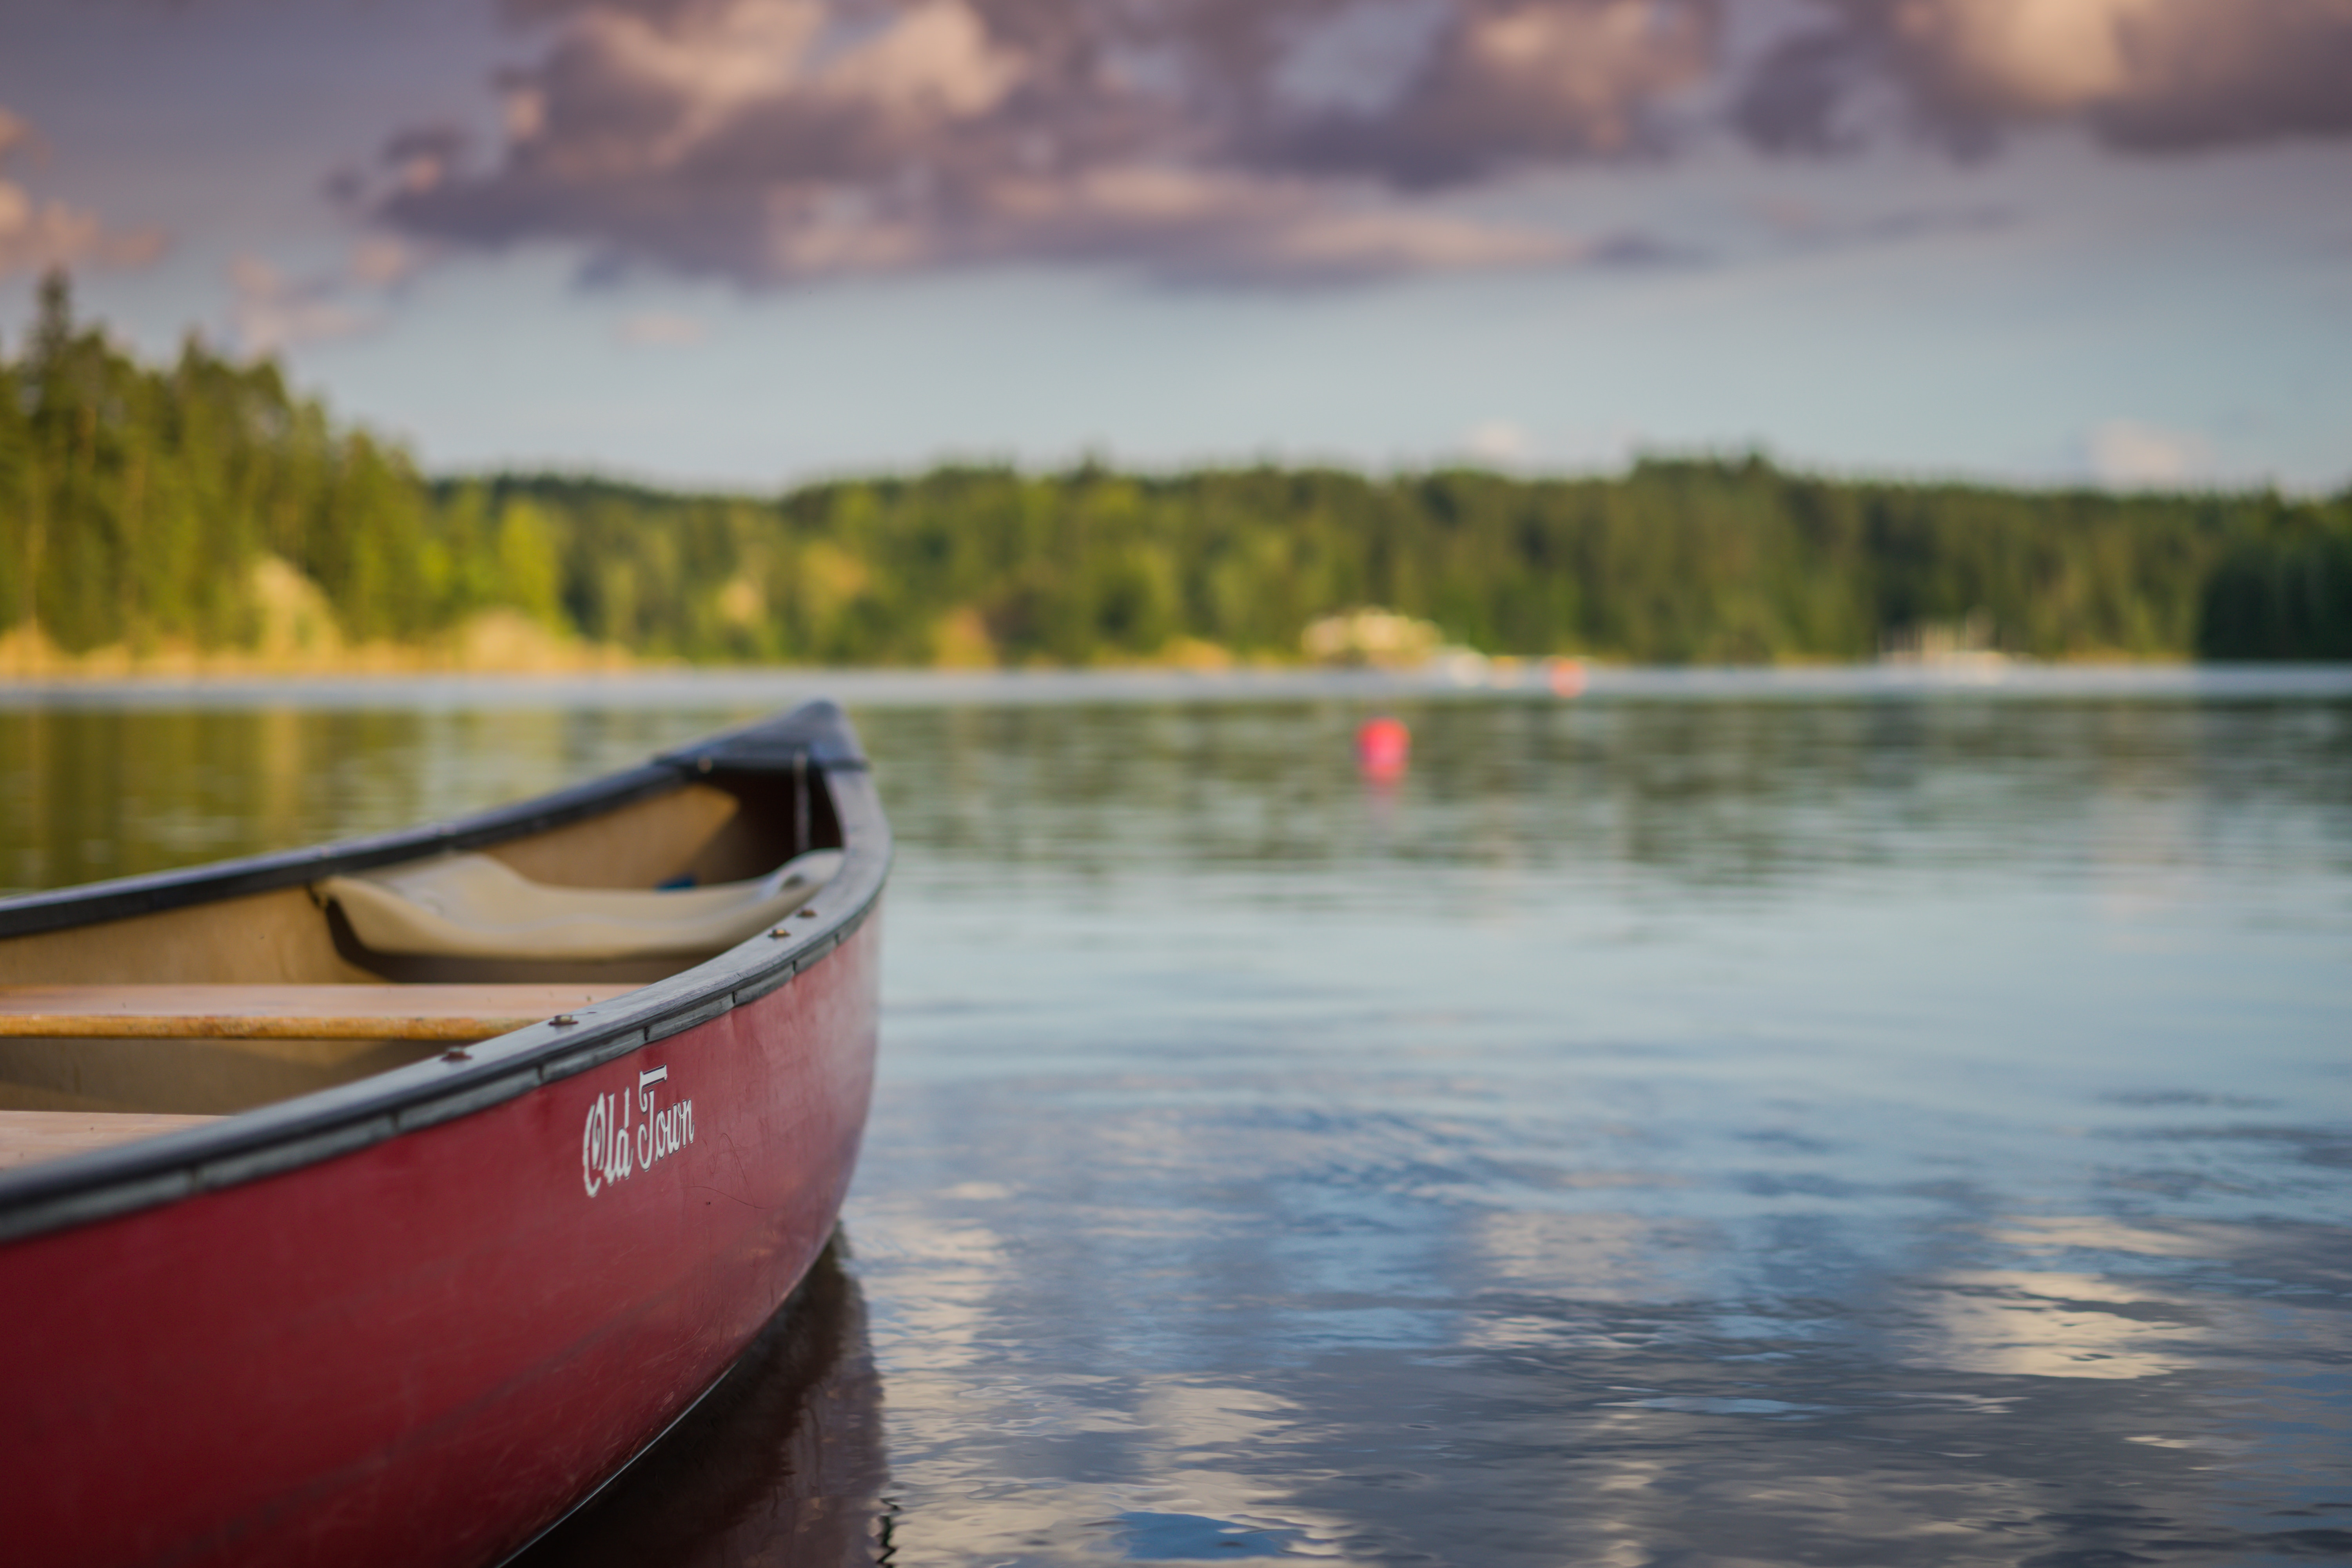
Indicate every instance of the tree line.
{"type": "Point", "coordinates": [135, 498]}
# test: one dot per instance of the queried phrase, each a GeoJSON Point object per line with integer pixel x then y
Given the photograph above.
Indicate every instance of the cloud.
{"type": "Point", "coordinates": [2143, 75]}
{"type": "Point", "coordinates": [661, 330]}
{"type": "Point", "coordinates": [381, 262]}
{"type": "Point", "coordinates": [1501, 443]}
{"type": "Point", "coordinates": [1227, 140]}
{"type": "Point", "coordinates": [37, 235]}
{"type": "Point", "coordinates": [1806, 224]}
{"type": "Point", "coordinates": [272, 311]}
{"type": "Point", "coordinates": [1497, 88]}
{"type": "Point", "coordinates": [1265, 141]}
{"type": "Point", "coordinates": [2127, 454]}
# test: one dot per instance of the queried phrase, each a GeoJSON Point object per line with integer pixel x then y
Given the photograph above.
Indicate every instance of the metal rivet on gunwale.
{"type": "Point", "coordinates": [808, 914]}
{"type": "Point", "coordinates": [563, 1018]}
{"type": "Point", "coordinates": [456, 1053]}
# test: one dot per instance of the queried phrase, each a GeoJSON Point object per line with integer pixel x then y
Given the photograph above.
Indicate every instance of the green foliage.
{"type": "Point", "coordinates": [530, 563]}
{"type": "Point", "coordinates": [133, 501]}
{"type": "Point", "coordinates": [2284, 589]}
{"type": "Point", "coordinates": [1677, 561]}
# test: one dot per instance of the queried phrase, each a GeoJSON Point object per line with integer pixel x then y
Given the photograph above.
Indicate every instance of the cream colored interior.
{"type": "Point", "coordinates": [286, 938]}
{"type": "Point", "coordinates": [478, 907]}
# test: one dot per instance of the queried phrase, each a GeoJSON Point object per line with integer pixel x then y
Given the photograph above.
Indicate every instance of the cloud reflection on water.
{"type": "Point", "coordinates": [1711, 1136]}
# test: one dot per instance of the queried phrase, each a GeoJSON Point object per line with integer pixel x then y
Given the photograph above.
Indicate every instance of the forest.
{"type": "Point", "coordinates": [153, 506]}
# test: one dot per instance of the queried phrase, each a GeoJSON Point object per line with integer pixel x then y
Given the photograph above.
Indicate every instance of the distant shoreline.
{"type": "Point", "coordinates": [197, 519]}
{"type": "Point", "coordinates": [752, 686]}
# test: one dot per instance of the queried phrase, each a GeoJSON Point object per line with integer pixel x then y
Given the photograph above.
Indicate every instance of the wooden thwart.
{"type": "Point", "coordinates": [451, 1013]}
{"type": "Point", "coordinates": [30, 1135]}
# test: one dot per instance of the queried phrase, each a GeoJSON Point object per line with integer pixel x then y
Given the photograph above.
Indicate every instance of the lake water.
{"type": "Point", "coordinates": [1718, 1120]}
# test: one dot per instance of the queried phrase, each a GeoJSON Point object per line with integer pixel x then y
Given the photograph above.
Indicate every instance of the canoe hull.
{"type": "Point", "coordinates": [427, 1349]}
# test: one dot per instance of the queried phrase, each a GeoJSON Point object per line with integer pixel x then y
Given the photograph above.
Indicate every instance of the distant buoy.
{"type": "Point", "coordinates": [1566, 677]}
{"type": "Point", "coordinates": [1383, 745]}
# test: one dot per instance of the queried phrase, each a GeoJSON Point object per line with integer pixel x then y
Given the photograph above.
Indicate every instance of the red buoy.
{"type": "Point", "coordinates": [1565, 676]}
{"type": "Point", "coordinates": [1383, 745]}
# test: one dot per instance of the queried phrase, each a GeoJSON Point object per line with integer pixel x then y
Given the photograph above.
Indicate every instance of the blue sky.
{"type": "Point", "coordinates": [744, 242]}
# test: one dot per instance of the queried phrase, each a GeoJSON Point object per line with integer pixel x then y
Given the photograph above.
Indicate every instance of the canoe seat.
{"type": "Point", "coordinates": [473, 906]}
{"type": "Point", "coordinates": [444, 1013]}
{"type": "Point", "coordinates": [30, 1135]}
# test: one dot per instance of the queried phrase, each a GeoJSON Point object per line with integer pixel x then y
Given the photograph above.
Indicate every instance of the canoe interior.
{"type": "Point", "coordinates": [227, 1044]}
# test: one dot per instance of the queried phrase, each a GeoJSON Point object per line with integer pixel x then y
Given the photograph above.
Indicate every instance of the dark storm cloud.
{"type": "Point", "coordinates": [1262, 140]}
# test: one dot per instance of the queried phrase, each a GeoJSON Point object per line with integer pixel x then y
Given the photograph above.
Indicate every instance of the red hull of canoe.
{"type": "Point", "coordinates": [424, 1351]}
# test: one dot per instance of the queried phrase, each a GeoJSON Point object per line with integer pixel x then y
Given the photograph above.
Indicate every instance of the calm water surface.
{"type": "Point", "coordinates": [1705, 1127]}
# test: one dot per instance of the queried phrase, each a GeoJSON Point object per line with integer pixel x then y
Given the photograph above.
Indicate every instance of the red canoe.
{"type": "Point", "coordinates": [377, 1203]}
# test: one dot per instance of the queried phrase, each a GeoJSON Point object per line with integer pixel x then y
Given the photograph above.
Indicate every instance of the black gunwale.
{"type": "Point", "coordinates": [289, 1134]}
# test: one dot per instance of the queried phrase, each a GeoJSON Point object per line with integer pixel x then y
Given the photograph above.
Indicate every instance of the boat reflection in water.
{"type": "Point", "coordinates": [785, 1462]}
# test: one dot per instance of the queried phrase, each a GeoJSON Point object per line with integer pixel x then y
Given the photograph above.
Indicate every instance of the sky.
{"type": "Point", "coordinates": [746, 243]}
